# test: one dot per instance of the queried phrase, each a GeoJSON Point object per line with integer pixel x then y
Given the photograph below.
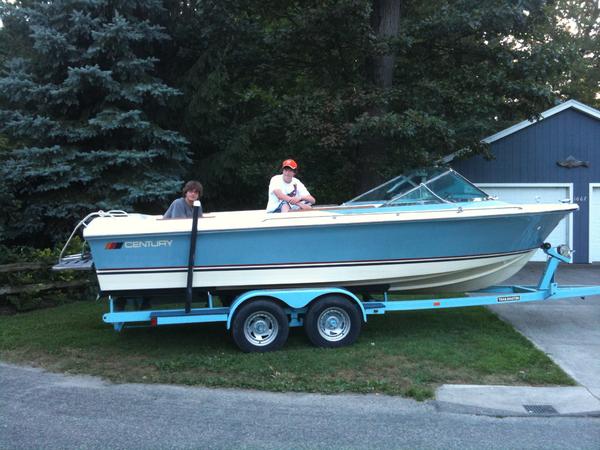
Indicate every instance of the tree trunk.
{"type": "Point", "coordinates": [385, 21]}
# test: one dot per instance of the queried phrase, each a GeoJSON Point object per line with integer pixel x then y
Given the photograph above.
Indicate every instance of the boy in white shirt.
{"type": "Point", "coordinates": [287, 193]}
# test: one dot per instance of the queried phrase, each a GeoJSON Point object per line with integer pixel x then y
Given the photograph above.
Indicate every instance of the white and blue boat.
{"type": "Point", "coordinates": [429, 230]}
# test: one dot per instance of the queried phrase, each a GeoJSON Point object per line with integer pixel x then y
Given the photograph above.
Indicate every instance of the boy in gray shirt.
{"type": "Point", "coordinates": [183, 206]}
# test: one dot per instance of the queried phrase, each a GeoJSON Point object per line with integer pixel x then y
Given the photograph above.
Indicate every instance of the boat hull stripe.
{"type": "Point", "coordinates": [304, 265]}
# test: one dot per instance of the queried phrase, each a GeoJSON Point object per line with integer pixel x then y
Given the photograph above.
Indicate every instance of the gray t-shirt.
{"type": "Point", "coordinates": [180, 209]}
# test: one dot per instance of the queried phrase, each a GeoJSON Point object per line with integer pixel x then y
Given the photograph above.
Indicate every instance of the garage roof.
{"type": "Point", "coordinates": [568, 104]}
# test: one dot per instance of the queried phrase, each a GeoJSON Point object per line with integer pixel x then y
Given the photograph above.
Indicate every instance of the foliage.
{"type": "Point", "coordinates": [279, 79]}
{"type": "Point", "coordinates": [81, 106]}
{"type": "Point", "coordinates": [574, 27]}
{"type": "Point", "coordinates": [42, 275]}
{"type": "Point", "coordinates": [92, 125]}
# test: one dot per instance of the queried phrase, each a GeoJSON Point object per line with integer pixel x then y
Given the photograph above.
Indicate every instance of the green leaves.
{"type": "Point", "coordinates": [78, 103]}
{"type": "Point", "coordinates": [101, 99]}
{"type": "Point", "coordinates": [278, 79]}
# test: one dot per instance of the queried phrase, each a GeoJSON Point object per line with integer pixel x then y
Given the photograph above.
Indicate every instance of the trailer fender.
{"type": "Point", "coordinates": [293, 298]}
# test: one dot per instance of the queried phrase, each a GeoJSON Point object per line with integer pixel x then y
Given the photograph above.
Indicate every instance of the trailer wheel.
{"type": "Point", "coordinates": [333, 321]}
{"type": "Point", "coordinates": [260, 326]}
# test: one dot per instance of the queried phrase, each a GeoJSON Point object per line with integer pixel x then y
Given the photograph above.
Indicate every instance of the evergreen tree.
{"type": "Point", "coordinates": [82, 107]}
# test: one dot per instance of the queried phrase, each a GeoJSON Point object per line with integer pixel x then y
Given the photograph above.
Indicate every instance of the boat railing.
{"type": "Point", "coordinates": [84, 223]}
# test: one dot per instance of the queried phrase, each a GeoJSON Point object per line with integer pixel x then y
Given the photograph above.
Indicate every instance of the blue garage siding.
{"type": "Point", "coordinates": [530, 155]}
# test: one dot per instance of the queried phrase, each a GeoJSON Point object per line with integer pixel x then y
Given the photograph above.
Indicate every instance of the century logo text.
{"type": "Point", "coordinates": [146, 244]}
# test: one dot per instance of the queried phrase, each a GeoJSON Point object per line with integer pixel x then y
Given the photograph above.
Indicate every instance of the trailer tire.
{"type": "Point", "coordinates": [333, 321]}
{"type": "Point", "coordinates": [260, 326]}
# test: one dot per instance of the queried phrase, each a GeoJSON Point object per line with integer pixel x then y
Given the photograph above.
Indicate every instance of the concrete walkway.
{"type": "Point", "coordinates": [568, 331]}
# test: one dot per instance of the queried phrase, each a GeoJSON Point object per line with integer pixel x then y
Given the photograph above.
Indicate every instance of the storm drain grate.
{"type": "Point", "coordinates": [540, 409]}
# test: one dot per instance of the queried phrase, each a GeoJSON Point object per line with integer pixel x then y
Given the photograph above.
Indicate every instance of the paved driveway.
{"type": "Point", "coordinates": [567, 330]}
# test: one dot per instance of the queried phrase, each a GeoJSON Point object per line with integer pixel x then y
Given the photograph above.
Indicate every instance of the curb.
{"type": "Point", "coordinates": [518, 401]}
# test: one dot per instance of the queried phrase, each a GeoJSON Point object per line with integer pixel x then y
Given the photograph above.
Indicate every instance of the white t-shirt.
{"type": "Point", "coordinates": [295, 187]}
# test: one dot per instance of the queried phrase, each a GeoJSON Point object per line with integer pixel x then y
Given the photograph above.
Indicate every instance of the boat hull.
{"type": "Point", "coordinates": [453, 275]}
{"type": "Point", "coordinates": [449, 252]}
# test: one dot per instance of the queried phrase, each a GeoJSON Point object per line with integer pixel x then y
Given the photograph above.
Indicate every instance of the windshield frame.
{"type": "Point", "coordinates": [408, 178]}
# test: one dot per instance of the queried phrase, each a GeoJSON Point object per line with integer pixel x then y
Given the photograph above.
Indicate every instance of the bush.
{"type": "Point", "coordinates": [35, 276]}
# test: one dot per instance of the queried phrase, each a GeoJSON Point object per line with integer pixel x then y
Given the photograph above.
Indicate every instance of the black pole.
{"type": "Point", "coordinates": [190, 273]}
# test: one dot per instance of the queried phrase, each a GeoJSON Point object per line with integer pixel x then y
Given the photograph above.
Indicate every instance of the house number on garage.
{"type": "Point", "coordinates": [581, 198]}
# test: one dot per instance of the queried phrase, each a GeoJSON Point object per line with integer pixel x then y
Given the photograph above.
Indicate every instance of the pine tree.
{"type": "Point", "coordinates": [81, 105]}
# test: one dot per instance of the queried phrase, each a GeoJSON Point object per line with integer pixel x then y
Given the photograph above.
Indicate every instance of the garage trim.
{"type": "Point", "coordinates": [590, 195]}
{"type": "Point", "coordinates": [569, 187]}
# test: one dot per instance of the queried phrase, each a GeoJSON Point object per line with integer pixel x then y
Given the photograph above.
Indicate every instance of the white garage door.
{"type": "Point", "coordinates": [594, 222]}
{"type": "Point", "coordinates": [536, 193]}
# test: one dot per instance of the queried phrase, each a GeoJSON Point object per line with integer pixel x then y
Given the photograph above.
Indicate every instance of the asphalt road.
{"type": "Point", "coordinates": [40, 410]}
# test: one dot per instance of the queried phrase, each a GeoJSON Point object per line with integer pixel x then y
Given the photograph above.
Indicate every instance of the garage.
{"type": "Point", "coordinates": [594, 222]}
{"type": "Point", "coordinates": [553, 157]}
{"type": "Point", "coordinates": [540, 193]}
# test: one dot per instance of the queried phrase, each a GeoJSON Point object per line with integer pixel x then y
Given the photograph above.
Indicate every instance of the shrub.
{"type": "Point", "coordinates": [27, 281]}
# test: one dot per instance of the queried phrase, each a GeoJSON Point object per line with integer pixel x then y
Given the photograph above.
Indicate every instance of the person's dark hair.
{"type": "Point", "coordinates": [193, 185]}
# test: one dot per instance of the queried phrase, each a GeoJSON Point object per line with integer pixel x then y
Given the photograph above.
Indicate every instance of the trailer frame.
{"type": "Point", "coordinates": [259, 319]}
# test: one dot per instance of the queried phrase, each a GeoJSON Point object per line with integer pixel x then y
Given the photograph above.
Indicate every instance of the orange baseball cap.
{"type": "Point", "coordinates": [289, 163]}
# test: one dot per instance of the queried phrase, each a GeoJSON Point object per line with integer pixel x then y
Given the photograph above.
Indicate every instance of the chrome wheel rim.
{"type": "Point", "coordinates": [333, 324]}
{"type": "Point", "coordinates": [261, 328]}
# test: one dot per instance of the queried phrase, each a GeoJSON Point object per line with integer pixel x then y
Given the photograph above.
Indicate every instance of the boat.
{"type": "Point", "coordinates": [430, 230]}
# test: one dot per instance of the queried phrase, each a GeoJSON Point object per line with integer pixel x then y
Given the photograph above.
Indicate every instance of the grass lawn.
{"type": "Point", "coordinates": [407, 354]}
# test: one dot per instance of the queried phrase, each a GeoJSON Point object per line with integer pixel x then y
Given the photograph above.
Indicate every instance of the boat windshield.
{"type": "Point", "coordinates": [423, 187]}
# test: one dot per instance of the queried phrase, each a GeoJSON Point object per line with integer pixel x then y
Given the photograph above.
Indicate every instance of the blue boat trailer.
{"type": "Point", "coordinates": [259, 320]}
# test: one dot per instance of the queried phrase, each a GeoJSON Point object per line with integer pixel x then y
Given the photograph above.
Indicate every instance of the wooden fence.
{"type": "Point", "coordinates": [36, 287]}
